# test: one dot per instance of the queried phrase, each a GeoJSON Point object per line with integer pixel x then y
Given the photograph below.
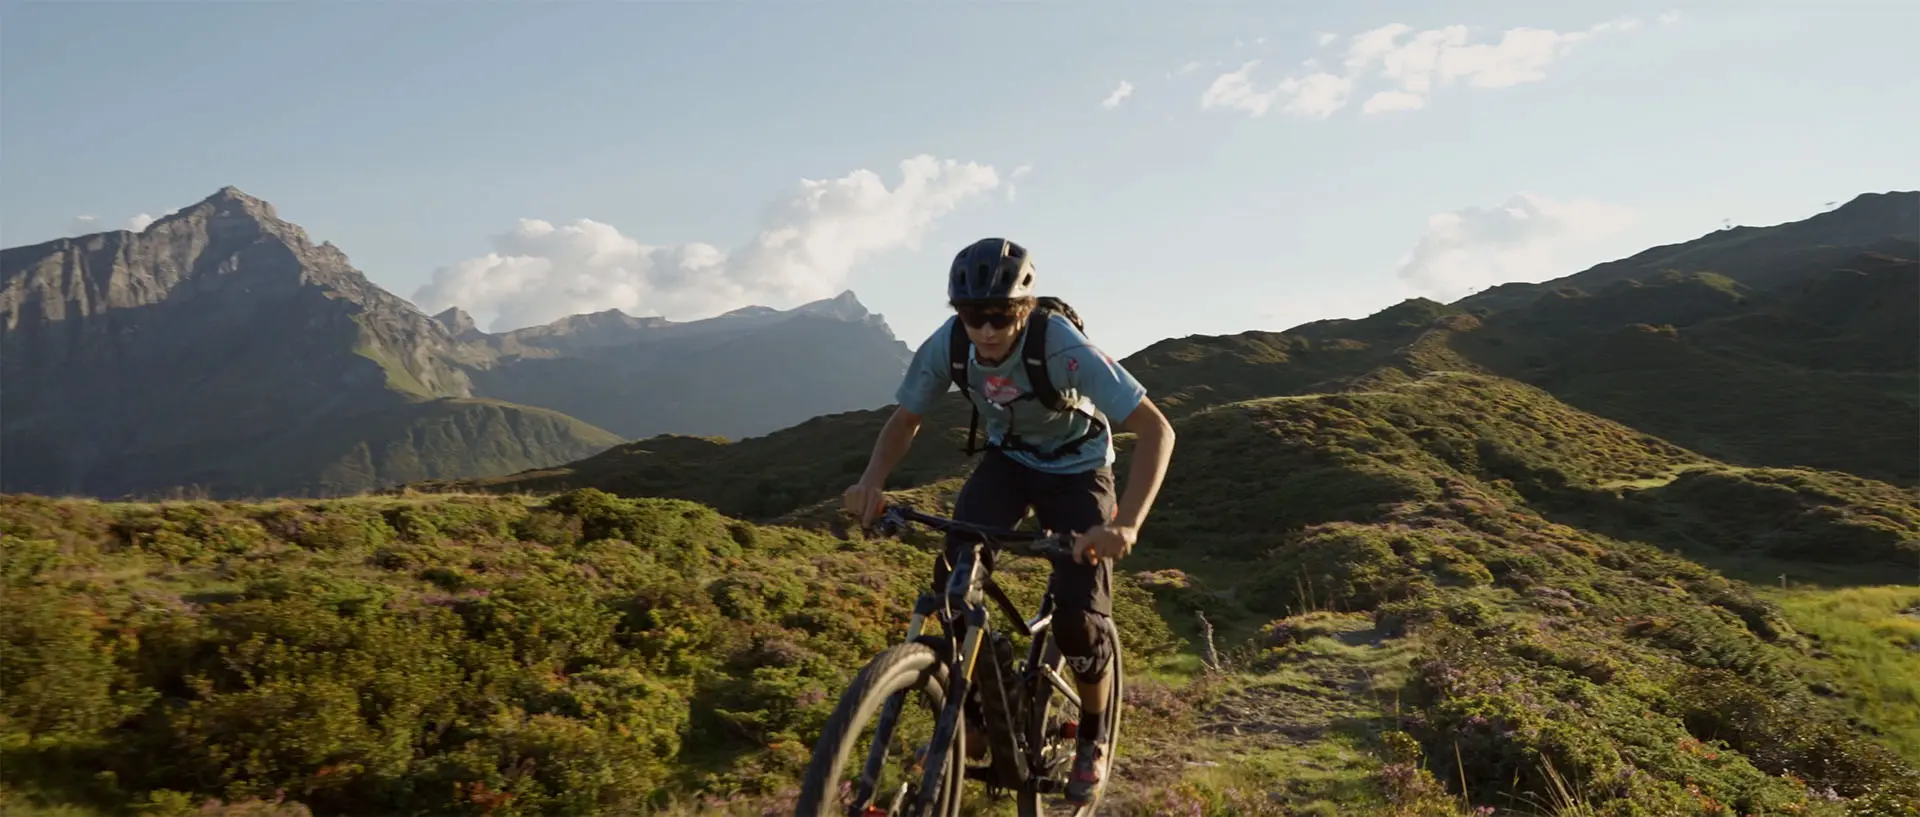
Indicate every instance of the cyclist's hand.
{"type": "Point", "coordinates": [1110, 542]}
{"type": "Point", "coordinates": [864, 501]}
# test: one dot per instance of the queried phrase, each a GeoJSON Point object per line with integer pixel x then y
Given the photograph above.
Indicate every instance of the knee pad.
{"type": "Point", "coordinates": [1082, 636]}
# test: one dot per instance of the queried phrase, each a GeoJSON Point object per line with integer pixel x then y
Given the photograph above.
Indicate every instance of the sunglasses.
{"type": "Point", "coordinates": [977, 317]}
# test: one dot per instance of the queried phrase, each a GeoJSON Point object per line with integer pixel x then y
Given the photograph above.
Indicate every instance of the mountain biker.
{"type": "Point", "coordinates": [1068, 487]}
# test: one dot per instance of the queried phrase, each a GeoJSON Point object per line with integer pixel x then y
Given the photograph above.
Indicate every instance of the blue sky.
{"type": "Point", "coordinates": [418, 136]}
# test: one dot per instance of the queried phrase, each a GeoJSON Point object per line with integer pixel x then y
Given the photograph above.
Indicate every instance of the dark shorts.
{"type": "Point", "coordinates": [998, 494]}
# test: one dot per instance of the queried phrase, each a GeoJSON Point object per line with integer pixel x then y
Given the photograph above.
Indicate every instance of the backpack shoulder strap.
{"type": "Point", "coordinates": [1033, 353]}
{"type": "Point", "coordinates": [958, 350]}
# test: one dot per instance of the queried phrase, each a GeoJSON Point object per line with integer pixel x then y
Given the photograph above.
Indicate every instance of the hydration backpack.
{"type": "Point", "coordinates": [1033, 355]}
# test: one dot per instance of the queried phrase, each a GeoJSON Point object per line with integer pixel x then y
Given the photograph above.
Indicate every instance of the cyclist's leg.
{"type": "Point", "coordinates": [1084, 595]}
{"type": "Point", "coordinates": [995, 495]}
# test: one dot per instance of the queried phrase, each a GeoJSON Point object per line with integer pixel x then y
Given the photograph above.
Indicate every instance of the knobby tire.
{"type": "Point", "coordinates": [915, 666]}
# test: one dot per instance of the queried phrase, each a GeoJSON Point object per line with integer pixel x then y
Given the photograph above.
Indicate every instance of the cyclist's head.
{"type": "Point", "coordinates": [991, 287]}
{"type": "Point", "coordinates": [988, 271]}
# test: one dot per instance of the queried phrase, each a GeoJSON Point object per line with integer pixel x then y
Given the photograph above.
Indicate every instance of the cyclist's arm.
{"type": "Point", "coordinates": [1152, 448]}
{"type": "Point", "coordinates": [925, 381]}
{"type": "Point", "coordinates": [1114, 391]}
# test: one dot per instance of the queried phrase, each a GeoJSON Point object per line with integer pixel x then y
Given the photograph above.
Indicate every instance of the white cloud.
{"type": "Point", "coordinates": [87, 225]}
{"type": "Point", "coordinates": [1444, 57]}
{"type": "Point", "coordinates": [1527, 238]}
{"type": "Point", "coordinates": [1435, 58]}
{"type": "Point", "coordinates": [807, 245]}
{"type": "Point", "coordinates": [1670, 17]}
{"type": "Point", "coordinates": [1234, 90]}
{"type": "Point", "coordinates": [1012, 189]}
{"type": "Point", "coordinates": [1315, 95]}
{"type": "Point", "coordinates": [1325, 37]}
{"type": "Point", "coordinates": [1120, 92]}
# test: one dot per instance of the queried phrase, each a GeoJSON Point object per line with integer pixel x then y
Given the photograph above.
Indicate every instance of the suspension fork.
{"type": "Point", "coordinates": [965, 601]}
{"type": "Point", "coordinates": [951, 712]}
{"type": "Point", "coordinates": [926, 605]}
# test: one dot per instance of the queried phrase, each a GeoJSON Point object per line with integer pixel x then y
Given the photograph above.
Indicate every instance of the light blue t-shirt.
{"type": "Point", "coordinates": [1085, 376]}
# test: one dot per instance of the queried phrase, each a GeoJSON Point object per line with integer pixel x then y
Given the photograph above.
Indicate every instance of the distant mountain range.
{"type": "Point", "coordinates": [220, 351]}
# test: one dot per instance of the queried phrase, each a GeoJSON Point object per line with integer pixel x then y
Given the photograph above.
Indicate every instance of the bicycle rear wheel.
{"type": "Point", "coordinates": [1046, 731]}
{"type": "Point", "coordinates": [913, 670]}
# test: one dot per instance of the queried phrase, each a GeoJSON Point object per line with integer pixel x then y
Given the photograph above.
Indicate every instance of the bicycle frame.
{"type": "Point", "coordinates": [1014, 759]}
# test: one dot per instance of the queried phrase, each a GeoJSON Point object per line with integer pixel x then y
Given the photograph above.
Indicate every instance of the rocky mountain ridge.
{"type": "Point", "coordinates": [221, 326]}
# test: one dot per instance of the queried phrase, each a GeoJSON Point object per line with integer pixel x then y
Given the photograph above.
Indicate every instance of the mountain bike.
{"type": "Point", "coordinates": [1028, 711]}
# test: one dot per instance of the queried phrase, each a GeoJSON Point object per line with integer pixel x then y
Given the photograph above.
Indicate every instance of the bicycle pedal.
{"type": "Point", "coordinates": [1070, 730]}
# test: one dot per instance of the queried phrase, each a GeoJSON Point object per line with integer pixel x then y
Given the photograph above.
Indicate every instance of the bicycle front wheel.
{"type": "Point", "coordinates": [901, 676]}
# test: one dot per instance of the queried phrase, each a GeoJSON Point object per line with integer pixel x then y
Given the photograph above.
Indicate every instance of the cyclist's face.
{"type": "Point", "coordinates": [992, 329]}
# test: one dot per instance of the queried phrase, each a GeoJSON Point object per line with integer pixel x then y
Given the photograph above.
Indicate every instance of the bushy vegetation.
{"type": "Point", "coordinates": [458, 655]}
{"type": "Point", "coordinates": [587, 653]}
{"type": "Point", "coordinates": [1553, 660]}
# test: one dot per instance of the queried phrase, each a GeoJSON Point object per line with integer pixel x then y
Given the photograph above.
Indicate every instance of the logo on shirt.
{"type": "Point", "coordinates": [1000, 389]}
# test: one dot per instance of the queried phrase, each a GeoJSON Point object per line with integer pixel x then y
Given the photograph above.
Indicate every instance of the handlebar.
{"type": "Point", "coordinates": [1043, 544]}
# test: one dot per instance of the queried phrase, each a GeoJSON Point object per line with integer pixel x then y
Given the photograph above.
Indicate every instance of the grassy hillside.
{"type": "Point", "coordinates": [758, 477]}
{"type": "Point", "coordinates": [449, 437]}
{"type": "Point", "coordinates": [1406, 600]}
{"type": "Point", "coordinates": [365, 451]}
{"type": "Point", "coordinates": [1824, 374]}
{"type": "Point", "coordinates": [1757, 257]}
{"type": "Point", "coordinates": [1873, 636]}
{"type": "Point", "coordinates": [1193, 373]}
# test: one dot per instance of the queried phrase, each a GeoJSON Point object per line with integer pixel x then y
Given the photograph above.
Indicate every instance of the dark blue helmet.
{"type": "Point", "coordinates": [991, 269]}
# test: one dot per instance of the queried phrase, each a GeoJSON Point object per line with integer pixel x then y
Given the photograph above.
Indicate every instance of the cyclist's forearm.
{"type": "Point", "coordinates": [895, 438]}
{"type": "Point", "coordinates": [1152, 449]}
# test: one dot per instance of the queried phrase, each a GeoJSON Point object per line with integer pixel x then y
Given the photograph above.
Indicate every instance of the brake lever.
{"type": "Point", "coordinates": [1061, 545]}
{"type": "Point", "coordinates": [888, 524]}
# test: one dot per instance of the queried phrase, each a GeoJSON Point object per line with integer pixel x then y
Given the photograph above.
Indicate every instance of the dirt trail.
{"type": "Point", "coordinates": [1287, 725]}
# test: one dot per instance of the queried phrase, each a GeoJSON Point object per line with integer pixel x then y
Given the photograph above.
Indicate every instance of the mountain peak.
{"type": "Point", "coordinates": [231, 210]}
{"type": "Point", "coordinates": [456, 321]}
{"type": "Point", "coordinates": [845, 306]}
{"type": "Point", "coordinates": [232, 201]}
{"type": "Point", "coordinates": [1897, 200]}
